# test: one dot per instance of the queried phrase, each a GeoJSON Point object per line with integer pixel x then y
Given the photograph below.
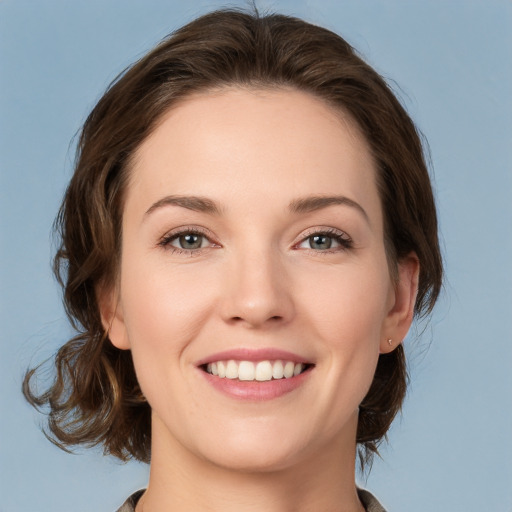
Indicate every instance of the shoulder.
{"type": "Point", "coordinates": [369, 501]}
{"type": "Point", "coordinates": [130, 504]}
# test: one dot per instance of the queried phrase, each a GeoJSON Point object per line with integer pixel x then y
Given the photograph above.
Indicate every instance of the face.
{"type": "Point", "coordinates": [254, 289]}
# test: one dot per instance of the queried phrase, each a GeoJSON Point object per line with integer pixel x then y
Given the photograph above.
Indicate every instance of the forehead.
{"type": "Point", "coordinates": [270, 144]}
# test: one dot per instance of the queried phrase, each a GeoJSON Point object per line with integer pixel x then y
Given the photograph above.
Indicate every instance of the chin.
{"type": "Point", "coordinates": [253, 448]}
{"type": "Point", "coordinates": [252, 459]}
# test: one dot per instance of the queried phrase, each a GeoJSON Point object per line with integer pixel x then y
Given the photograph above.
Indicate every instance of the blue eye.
{"type": "Point", "coordinates": [326, 241]}
{"type": "Point", "coordinates": [188, 241]}
{"type": "Point", "coordinates": [320, 242]}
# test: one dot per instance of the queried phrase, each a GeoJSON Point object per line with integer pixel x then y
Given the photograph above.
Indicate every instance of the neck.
{"type": "Point", "coordinates": [181, 481]}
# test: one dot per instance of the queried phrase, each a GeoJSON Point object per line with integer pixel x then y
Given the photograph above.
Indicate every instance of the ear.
{"type": "Point", "coordinates": [111, 311]}
{"type": "Point", "coordinates": [403, 298]}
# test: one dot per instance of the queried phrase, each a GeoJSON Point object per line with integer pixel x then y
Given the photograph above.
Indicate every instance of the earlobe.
{"type": "Point", "coordinates": [400, 316]}
{"type": "Point", "coordinates": [112, 318]}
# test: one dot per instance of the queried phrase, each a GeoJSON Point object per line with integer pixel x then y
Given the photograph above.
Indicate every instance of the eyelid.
{"type": "Point", "coordinates": [164, 241]}
{"type": "Point", "coordinates": [341, 236]}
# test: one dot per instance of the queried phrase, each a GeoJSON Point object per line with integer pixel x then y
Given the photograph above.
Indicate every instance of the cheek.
{"type": "Point", "coordinates": [163, 312]}
{"type": "Point", "coordinates": [348, 312]}
{"type": "Point", "coordinates": [163, 307]}
{"type": "Point", "coordinates": [347, 306]}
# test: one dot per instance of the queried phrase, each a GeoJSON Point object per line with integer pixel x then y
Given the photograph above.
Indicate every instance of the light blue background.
{"type": "Point", "coordinates": [452, 61]}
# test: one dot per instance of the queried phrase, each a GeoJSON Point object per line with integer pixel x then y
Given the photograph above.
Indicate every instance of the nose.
{"type": "Point", "coordinates": [258, 292]}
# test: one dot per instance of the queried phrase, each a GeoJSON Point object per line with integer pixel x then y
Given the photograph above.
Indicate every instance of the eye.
{"type": "Point", "coordinates": [186, 241]}
{"type": "Point", "coordinates": [189, 241]}
{"type": "Point", "coordinates": [321, 242]}
{"type": "Point", "coordinates": [327, 241]}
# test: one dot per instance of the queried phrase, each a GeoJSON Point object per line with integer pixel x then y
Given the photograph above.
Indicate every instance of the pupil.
{"type": "Point", "coordinates": [190, 241]}
{"type": "Point", "coordinates": [320, 242]}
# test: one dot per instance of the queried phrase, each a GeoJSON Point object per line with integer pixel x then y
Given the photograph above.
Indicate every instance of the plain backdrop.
{"type": "Point", "coordinates": [450, 62]}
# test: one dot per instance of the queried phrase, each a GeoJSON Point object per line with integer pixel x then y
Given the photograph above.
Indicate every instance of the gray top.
{"type": "Point", "coordinates": [367, 499]}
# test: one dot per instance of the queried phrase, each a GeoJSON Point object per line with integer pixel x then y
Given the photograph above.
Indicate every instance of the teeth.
{"type": "Point", "coordinates": [297, 369]}
{"type": "Point", "coordinates": [246, 370]}
{"type": "Point", "coordinates": [264, 371]}
{"type": "Point", "coordinates": [278, 370]}
{"type": "Point", "coordinates": [289, 368]}
{"type": "Point", "coordinates": [231, 370]}
{"type": "Point", "coordinates": [249, 371]}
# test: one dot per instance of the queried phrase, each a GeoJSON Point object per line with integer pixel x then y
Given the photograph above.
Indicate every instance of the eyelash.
{"type": "Point", "coordinates": [167, 239]}
{"type": "Point", "coordinates": [344, 241]}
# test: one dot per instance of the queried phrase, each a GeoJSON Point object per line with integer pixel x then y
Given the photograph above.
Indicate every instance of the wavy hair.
{"type": "Point", "coordinates": [95, 398]}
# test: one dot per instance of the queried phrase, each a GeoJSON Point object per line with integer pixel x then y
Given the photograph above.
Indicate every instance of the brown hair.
{"type": "Point", "coordinates": [95, 398]}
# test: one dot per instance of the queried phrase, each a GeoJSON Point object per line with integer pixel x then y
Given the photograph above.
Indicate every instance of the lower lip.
{"type": "Point", "coordinates": [256, 391]}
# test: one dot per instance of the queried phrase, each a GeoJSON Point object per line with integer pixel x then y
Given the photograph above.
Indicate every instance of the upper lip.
{"type": "Point", "coordinates": [251, 354]}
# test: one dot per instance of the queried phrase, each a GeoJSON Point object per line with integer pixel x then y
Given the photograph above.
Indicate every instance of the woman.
{"type": "Point", "coordinates": [248, 234]}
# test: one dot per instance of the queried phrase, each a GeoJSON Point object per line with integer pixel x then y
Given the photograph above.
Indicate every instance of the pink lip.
{"type": "Point", "coordinates": [247, 354]}
{"type": "Point", "coordinates": [254, 391]}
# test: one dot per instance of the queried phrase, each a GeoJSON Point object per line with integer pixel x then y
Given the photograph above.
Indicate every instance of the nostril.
{"type": "Point", "coordinates": [239, 318]}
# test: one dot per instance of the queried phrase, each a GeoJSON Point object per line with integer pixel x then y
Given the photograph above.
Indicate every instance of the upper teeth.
{"type": "Point", "coordinates": [261, 371]}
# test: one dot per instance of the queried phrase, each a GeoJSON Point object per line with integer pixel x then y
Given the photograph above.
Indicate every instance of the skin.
{"type": "Point", "coordinates": [257, 280]}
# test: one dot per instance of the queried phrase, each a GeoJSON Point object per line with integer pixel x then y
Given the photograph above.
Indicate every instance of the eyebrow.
{"type": "Point", "coordinates": [301, 205]}
{"type": "Point", "coordinates": [195, 203]}
{"type": "Point", "coordinates": [313, 203]}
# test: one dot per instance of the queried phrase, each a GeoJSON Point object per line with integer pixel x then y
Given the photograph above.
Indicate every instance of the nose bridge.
{"type": "Point", "coordinates": [258, 290]}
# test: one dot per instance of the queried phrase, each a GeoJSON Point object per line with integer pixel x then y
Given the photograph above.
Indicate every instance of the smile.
{"type": "Point", "coordinates": [256, 375]}
{"type": "Point", "coordinates": [255, 371]}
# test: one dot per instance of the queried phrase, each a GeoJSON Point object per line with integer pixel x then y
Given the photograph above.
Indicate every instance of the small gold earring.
{"type": "Point", "coordinates": [390, 342]}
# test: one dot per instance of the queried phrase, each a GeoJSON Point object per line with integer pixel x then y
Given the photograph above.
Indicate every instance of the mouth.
{"type": "Point", "coordinates": [255, 375]}
{"type": "Point", "coordinates": [255, 371]}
